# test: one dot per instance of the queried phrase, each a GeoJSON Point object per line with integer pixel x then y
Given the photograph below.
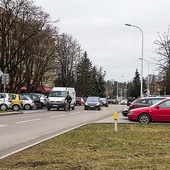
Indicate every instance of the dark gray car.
{"type": "Point", "coordinates": [92, 103]}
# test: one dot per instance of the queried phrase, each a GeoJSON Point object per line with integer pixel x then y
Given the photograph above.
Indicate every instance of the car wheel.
{"type": "Point", "coordinates": [144, 118]}
{"type": "Point", "coordinates": [15, 107]}
{"type": "Point", "coordinates": [27, 107]}
{"type": "Point", "coordinates": [42, 105]}
{"type": "Point", "coordinates": [48, 108]}
{"type": "Point", "coordinates": [3, 107]}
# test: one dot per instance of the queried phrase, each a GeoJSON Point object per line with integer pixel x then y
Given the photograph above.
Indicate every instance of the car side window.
{"type": "Point", "coordinates": [165, 104]}
{"type": "Point", "coordinates": [143, 101]}
{"type": "Point", "coordinates": [150, 102]}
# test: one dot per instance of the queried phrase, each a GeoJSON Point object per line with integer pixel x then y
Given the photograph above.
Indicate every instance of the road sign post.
{"type": "Point", "coordinates": [1, 73]}
{"type": "Point", "coordinates": [5, 79]}
{"type": "Point", "coordinates": [115, 117]}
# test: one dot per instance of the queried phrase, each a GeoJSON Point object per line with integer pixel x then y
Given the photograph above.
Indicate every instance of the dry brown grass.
{"type": "Point", "coordinates": [98, 147]}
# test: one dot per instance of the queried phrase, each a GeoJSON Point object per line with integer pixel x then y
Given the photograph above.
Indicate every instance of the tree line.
{"type": "Point", "coordinates": [31, 46]}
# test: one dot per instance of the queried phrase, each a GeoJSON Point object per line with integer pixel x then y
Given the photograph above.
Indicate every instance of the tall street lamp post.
{"type": "Point", "coordinates": [117, 86]}
{"type": "Point", "coordinates": [148, 91]}
{"type": "Point", "coordinates": [141, 89]}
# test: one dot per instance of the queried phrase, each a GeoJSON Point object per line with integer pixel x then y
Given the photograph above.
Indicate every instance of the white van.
{"type": "Point", "coordinates": [56, 97]}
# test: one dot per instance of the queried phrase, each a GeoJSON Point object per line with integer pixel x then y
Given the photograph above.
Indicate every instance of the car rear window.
{"type": "Point", "coordinates": [92, 100]}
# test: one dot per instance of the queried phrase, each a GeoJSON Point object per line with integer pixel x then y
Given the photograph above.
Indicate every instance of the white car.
{"type": "Point", "coordinates": [5, 101]}
{"type": "Point", "coordinates": [28, 103]}
{"type": "Point", "coordinates": [43, 99]}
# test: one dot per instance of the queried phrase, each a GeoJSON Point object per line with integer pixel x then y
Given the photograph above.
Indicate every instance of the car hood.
{"type": "Point", "coordinates": [142, 109]}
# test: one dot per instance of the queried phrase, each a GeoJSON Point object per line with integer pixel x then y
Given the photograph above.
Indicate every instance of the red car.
{"type": "Point", "coordinates": [159, 112]}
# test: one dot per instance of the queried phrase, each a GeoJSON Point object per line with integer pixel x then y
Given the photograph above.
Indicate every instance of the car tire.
{"type": "Point", "coordinates": [144, 118]}
{"type": "Point", "coordinates": [3, 107]}
{"type": "Point", "coordinates": [27, 107]}
{"type": "Point", "coordinates": [15, 107]}
{"type": "Point", "coordinates": [48, 109]}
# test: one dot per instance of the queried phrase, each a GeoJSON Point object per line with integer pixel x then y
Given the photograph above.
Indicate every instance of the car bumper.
{"type": "Point", "coordinates": [52, 105]}
{"type": "Point", "coordinates": [86, 107]}
{"type": "Point", "coordinates": [125, 112]}
{"type": "Point", "coordinates": [132, 117]}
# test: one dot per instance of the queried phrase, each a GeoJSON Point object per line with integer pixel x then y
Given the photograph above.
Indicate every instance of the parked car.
{"type": "Point", "coordinates": [130, 100]}
{"type": "Point", "coordinates": [36, 99]}
{"type": "Point", "coordinates": [79, 101]}
{"type": "Point", "coordinates": [104, 102]}
{"type": "Point", "coordinates": [17, 103]}
{"type": "Point", "coordinates": [43, 99]}
{"type": "Point", "coordinates": [159, 112]}
{"type": "Point", "coordinates": [142, 102]}
{"type": "Point", "coordinates": [5, 101]}
{"type": "Point", "coordinates": [145, 102]}
{"type": "Point", "coordinates": [28, 103]}
{"type": "Point", "coordinates": [125, 111]}
{"type": "Point", "coordinates": [92, 103]}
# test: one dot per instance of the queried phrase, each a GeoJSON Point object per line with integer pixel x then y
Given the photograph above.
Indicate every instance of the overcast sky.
{"type": "Point", "coordinates": [99, 27]}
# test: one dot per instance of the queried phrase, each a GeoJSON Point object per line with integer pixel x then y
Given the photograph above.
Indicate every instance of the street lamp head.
{"type": "Point", "coordinates": [129, 25]}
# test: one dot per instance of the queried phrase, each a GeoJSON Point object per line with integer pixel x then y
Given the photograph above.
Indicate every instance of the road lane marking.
{"type": "Point", "coordinates": [2, 126]}
{"type": "Point", "coordinates": [26, 121]}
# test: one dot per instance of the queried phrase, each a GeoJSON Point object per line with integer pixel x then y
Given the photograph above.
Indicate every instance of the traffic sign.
{"type": "Point", "coordinates": [5, 78]}
{"type": "Point", "coordinates": [1, 73]}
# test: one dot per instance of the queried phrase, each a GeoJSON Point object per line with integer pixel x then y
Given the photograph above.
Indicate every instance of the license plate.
{"type": "Point", "coordinates": [91, 106]}
{"type": "Point", "coordinates": [55, 105]}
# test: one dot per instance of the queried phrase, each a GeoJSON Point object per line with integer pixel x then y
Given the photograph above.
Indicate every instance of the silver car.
{"type": "Point", "coordinates": [5, 101]}
{"type": "Point", "coordinates": [28, 103]}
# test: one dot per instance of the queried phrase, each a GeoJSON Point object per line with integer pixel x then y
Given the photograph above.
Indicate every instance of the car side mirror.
{"type": "Point", "coordinates": [157, 107]}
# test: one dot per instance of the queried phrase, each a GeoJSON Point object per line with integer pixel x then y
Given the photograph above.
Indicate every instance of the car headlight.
{"type": "Point", "coordinates": [132, 112]}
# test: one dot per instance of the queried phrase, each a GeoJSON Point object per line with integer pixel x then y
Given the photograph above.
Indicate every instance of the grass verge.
{"type": "Point", "coordinates": [98, 147]}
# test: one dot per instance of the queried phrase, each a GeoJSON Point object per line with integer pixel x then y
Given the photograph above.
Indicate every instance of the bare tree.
{"type": "Point", "coordinates": [26, 39]}
{"type": "Point", "coordinates": [68, 54]}
{"type": "Point", "coordinates": [163, 62]}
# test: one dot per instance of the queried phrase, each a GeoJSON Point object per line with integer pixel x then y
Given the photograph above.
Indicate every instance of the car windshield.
{"type": "Point", "coordinates": [92, 99]}
{"type": "Point", "coordinates": [58, 94]}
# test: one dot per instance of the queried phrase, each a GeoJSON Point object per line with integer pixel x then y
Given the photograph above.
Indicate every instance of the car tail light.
{"type": "Point", "coordinates": [9, 100]}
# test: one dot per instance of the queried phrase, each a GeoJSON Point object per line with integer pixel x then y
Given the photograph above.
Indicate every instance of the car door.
{"type": "Point", "coordinates": [162, 112]}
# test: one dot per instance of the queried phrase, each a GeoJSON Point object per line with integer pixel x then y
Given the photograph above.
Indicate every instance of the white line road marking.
{"type": "Point", "coordinates": [28, 120]}
{"type": "Point", "coordinates": [2, 126]}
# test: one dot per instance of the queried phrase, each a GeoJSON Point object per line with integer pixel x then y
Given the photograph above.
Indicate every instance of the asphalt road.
{"type": "Point", "coordinates": [21, 131]}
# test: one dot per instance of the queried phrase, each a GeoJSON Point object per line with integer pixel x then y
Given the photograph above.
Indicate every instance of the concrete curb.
{"type": "Point", "coordinates": [11, 113]}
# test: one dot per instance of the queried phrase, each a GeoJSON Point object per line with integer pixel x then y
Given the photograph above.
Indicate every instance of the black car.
{"type": "Point", "coordinates": [36, 99]}
{"type": "Point", "coordinates": [104, 102]}
{"type": "Point", "coordinates": [92, 103]}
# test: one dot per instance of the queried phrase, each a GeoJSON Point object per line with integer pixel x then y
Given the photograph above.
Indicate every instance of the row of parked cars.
{"type": "Point", "coordinates": [22, 101]}
{"type": "Point", "coordinates": [147, 109]}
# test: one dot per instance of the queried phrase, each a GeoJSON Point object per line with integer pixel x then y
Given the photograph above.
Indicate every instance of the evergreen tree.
{"type": "Point", "coordinates": [136, 84]}
{"type": "Point", "coordinates": [84, 69]}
